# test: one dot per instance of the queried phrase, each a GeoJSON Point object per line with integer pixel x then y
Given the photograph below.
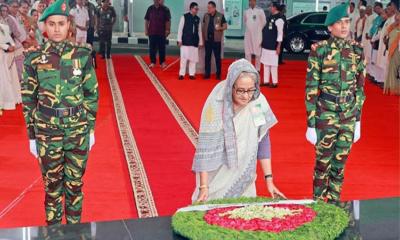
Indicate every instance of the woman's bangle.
{"type": "Point", "coordinates": [203, 186]}
{"type": "Point", "coordinates": [268, 176]}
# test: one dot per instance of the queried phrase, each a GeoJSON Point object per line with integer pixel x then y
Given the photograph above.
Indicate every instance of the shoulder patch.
{"type": "Point", "coordinates": [30, 50]}
{"type": "Point", "coordinates": [85, 46]}
{"type": "Point", "coordinates": [316, 45]}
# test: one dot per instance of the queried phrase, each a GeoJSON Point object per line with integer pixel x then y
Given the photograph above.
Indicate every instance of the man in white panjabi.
{"type": "Point", "coordinates": [254, 20]}
{"type": "Point", "coordinates": [360, 24]}
{"type": "Point", "coordinates": [382, 55]}
{"type": "Point", "coordinates": [354, 15]}
{"type": "Point", "coordinates": [9, 94]}
{"type": "Point", "coordinates": [365, 40]}
{"type": "Point", "coordinates": [234, 133]}
{"type": "Point", "coordinates": [80, 15]}
{"type": "Point", "coordinates": [190, 39]}
{"type": "Point", "coordinates": [271, 45]}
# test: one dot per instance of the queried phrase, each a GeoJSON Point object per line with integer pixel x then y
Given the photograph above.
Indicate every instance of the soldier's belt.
{"type": "Point", "coordinates": [335, 99]}
{"type": "Point", "coordinates": [59, 112]}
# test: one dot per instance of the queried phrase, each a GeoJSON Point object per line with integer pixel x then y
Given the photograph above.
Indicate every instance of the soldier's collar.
{"type": "Point", "coordinates": [55, 47]}
{"type": "Point", "coordinates": [338, 43]}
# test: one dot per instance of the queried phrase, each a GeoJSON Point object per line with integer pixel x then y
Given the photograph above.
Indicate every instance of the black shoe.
{"type": "Point", "coordinates": [206, 77]}
{"type": "Point", "coordinates": [274, 85]}
{"type": "Point", "coordinates": [265, 84]}
{"type": "Point", "coordinates": [218, 77]}
{"type": "Point", "coordinates": [192, 77]}
{"type": "Point", "coordinates": [280, 63]}
{"type": "Point", "coordinates": [181, 77]}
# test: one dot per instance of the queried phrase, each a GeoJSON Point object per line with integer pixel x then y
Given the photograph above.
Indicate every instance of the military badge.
{"type": "Point", "coordinates": [76, 66]}
{"type": "Point", "coordinates": [43, 59]}
{"type": "Point", "coordinates": [64, 7]}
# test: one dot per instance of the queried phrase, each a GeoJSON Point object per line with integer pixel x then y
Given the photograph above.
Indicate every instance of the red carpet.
{"type": "Point", "coordinates": [164, 148]}
{"type": "Point", "coordinates": [373, 167]}
{"type": "Point", "coordinates": [107, 188]}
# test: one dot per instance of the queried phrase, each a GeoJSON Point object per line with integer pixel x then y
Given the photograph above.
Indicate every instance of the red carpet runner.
{"type": "Point", "coordinates": [107, 188]}
{"type": "Point", "coordinates": [373, 167]}
{"type": "Point", "coordinates": [165, 150]}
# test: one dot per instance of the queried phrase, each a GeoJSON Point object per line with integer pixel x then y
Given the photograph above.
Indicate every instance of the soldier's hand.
{"type": "Point", "coordinates": [32, 147]}
{"type": "Point", "coordinates": [357, 132]}
{"type": "Point", "coordinates": [311, 135]}
{"type": "Point", "coordinates": [91, 141]}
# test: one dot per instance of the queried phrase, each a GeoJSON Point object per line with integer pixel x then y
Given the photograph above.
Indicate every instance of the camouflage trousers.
{"type": "Point", "coordinates": [334, 141]}
{"type": "Point", "coordinates": [63, 154]}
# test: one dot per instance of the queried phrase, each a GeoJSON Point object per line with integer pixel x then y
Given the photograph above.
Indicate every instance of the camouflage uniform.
{"type": "Point", "coordinates": [61, 76]}
{"type": "Point", "coordinates": [335, 68]}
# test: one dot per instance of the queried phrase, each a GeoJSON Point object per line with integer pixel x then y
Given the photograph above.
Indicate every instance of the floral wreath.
{"type": "Point", "coordinates": [278, 221]}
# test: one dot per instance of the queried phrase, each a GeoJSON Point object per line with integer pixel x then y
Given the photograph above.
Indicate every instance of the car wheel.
{"type": "Point", "coordinates": [296, 44]}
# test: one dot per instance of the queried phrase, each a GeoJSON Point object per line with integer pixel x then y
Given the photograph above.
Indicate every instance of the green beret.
{"type": "Point", "coordinates": [59, 7]}
{"type": "Point", "coordinates": [337, 13]}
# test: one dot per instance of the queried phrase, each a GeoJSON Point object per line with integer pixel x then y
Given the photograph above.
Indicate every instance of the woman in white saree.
{"type": "Point", "coordinates": [234, 133]}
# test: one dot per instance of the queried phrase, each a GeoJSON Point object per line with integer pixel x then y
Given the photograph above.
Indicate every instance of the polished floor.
{"type": "Point", "coordinates": [378, 219]}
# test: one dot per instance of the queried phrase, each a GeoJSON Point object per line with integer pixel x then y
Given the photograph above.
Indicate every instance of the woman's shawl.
{"type": "Point", "coordinates": [217, 140]}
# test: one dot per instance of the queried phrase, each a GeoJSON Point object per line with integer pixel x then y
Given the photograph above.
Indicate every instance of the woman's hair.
{"type": "Point", "coordinates": [251, 75]}
{"type": "Point", "coordinates": [33, 11]}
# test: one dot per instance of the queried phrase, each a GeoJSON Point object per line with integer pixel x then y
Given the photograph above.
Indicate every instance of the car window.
{"type": "Point", "coordinates": [315, 19]}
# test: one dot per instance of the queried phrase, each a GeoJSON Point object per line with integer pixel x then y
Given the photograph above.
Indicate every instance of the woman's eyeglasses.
{"type": "Point", "coordinates": [242, 92]}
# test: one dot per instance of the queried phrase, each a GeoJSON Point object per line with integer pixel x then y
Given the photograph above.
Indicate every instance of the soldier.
{"type": "Point", "coordinates": [60, 100]}
{"type": "Point", "coordinates": [334, 100]}
{"type": "Point", "coordinates": [106, 18]}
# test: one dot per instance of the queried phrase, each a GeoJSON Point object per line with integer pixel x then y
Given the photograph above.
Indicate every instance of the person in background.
{"type": "Point", "coordinates": [282, 11]}
{"type": "Point", "coordinates": [106, 18]}
{"type": "Point", "coordinates": [360, 24]}
{"type": "Point", "coordinates": [189, 41]}
{"type": "Point", "coordinates": [26, 20]}
{"type": "Point", "coordinates": [378, 9]}
{"type": "Point", "coordinates": [271, 45]}
{"type": "Point", "coordinates": [382, 55]}
{"type": "Point", "coordinates": [9, 96]}
{"type": "Point", "coordinates": [254, 19]}
{"type": "Point", "coordinates": [392, 81]}
{"type": "Point", "coordinates": [214, 25]}
{"type": "Point", "coordinates": [92, 11]}
{"type": "Point", "coordinates": [38, 34]}
{"type": "Point", "coordinates": [19, 35]}
{"type": "Point", "coordinates": [157, 27]}
{"type": "Point", "coordinates": [80, 17]}
{"type": "Point", "coordinates": [9, 52]}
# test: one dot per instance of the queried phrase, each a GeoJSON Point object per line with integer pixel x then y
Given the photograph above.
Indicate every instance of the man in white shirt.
{"type": "Point", "coordinates": [255, 20]}
{"type": "Point", "coordinates": [382, 55]}
{"type": "Point", "coordinates": [360, 24]}
{"type": "Point", "coordinates": [271, 45]}
{"type": "Point", "coordinates": [80, 15]}
{"type": "Point", "coordinates": [365, 40]}
{"type": "Point", "coordinates": [189, 40]}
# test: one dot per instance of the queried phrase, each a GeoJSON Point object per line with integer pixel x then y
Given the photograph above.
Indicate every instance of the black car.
{"type": "Point", "coordinates": [305, 29]}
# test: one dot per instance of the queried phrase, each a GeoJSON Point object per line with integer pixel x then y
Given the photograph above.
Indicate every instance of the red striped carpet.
{"type": "Point", "coordinates": [373, 167]}
{"type": "Point", "coordinates": [107, 188]}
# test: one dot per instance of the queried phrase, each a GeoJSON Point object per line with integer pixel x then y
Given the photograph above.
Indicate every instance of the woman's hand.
{"type": "Point", "coordinates": [274, 191]}
{"type": "Point", "coordinates": [203, 195]}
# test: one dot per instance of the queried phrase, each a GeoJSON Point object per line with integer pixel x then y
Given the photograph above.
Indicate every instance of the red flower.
{"type": "Point", "coordinates": [287, 223]}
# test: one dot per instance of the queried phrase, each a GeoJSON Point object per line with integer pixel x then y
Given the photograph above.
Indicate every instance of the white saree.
{"type": "Point", "coordinates": [251, 124]}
